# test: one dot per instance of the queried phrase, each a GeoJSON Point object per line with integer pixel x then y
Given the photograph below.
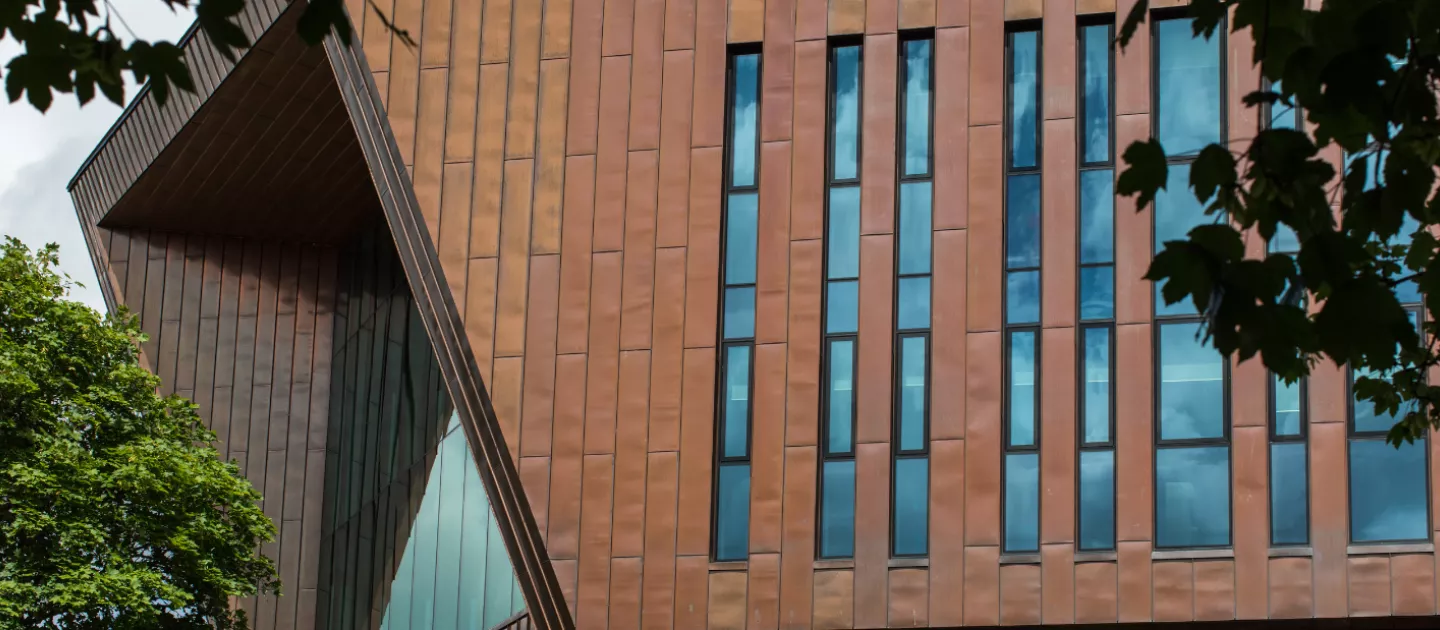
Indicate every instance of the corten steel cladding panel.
{"type": "Point", "coordinates": [567, 155]}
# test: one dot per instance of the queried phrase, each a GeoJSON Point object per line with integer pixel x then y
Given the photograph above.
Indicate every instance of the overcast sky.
{"type": "Point", "coordinates": [39, 153]}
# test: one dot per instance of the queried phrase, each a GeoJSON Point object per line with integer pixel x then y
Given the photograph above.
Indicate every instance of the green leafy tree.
{"type": "Point", "coordinates": [1364, 73]}
{"type": "Point", "coordinates": [115, 510]}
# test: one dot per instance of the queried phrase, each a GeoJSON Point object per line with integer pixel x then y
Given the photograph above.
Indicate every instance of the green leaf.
{"type": "Point", "coordinates": [1213, 170]}
{"type": "Point", "coordinates": [1146, 174]}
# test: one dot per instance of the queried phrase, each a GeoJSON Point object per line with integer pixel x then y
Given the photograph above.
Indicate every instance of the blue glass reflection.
{"type": "Point", "coordinates": [841, 396]}
{"type": "Point", "coordinates": [1283, 116]}
{"type": "Point", "coordinates": [1095, 77]}
{"type": "Point", "coordinates": [912, 393]}
{"type": "Point", "coordinates": [1022, 502]}
{"type": "Point", "coordinates": [1097, 500]}
{"type": "Point", "coordinates": [1176, 213]}
{"type": "Point", "coordinates": [1022, 297]}
{"type": "Point", "coordinates": [1097, 385]}
{"type": "Point", "coordinates": [1097, 292]}
{"type": "Point", "coordinates": [917, 107]}
{"type": "Point", "coordinates": [846, 142]}
{"type": "Point", "coordinates": [740, 313]}
{"type": "Point", "coordinates": [1022, 221]}
{"type": "Point", "coordinates": [842, 306]}
{"type": "Point", "coordinates": [912, 502]}
{"type": "Point", "coordinates": [1367, 417]}
{"type": "Point", "coordinates": [914, 227]}
{"type": "Point", "coordinates": [844, 236]}
{"type": "Point", "coordinates": [1021, 421]}
{"type": "Point", "coordinates": [1188, 73]}
{"type": "Point", "coordinates": [1287, 406]}
{"type": "Point", "coordinates": [1285, 240]}
{"type": "Point", "coordinates": [744, 116]}
{"type": "Point", "coordinates": [732, 513]}
{"type": "Point", "coordinates": [1192, 385]}
{"type": "Point", "coordinates": [740, 235]}
{"type": "Point", "coordinates": [737, 401]}
{"type": "Point", "coordinates": [1289, 501]}
{"type": "Point", "coordinates": [1097, 216]}
{"type": "Point", "coordinates": [1388, 497]}
{"type": "Point", "coordinates": [1192, 497]}
{"type": "Point", "coordinates": [837, 509]}
{"type": "Point", "coordinates": [913, 304]}
{"type": "Point", "coordinates": [1024, 94]}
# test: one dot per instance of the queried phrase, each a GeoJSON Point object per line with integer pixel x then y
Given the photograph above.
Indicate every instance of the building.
{"type": "Point", "coordinates": [595, 313]}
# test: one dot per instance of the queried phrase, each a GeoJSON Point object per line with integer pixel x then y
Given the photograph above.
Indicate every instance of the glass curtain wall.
{"type": "Point", "coordinates": [408, 539]}
{"type": "Point", "coordinates": [1192, 457]}
{"type": "Point", "coordinates": [737, 343]}
{"type": "Point", "coordinates": [1096, 500]}
{"type": "Point", "coordinates": [1022, 294]}
{"type": "Point", "coordinates": [911, 497]}
{"type": "Point", "coordinates": [842, 308]}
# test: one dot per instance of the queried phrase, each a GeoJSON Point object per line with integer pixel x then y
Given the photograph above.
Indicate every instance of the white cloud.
{"type": "Point", "coordinates": [39, 153]}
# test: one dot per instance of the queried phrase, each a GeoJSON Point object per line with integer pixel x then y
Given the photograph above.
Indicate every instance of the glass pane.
{"type": "Point", "coordinates": [737, 401]}
{"type": "Point", "coordinates": [914, 227]}
{"type": "Point", "coordinates": [473, 549]}
{"type": "Point", "coordinates": [1287, 407]}
{"type": "Point", "coordinates": [740, 239]}
{"type": "Point", "coordinates": [1096, 104]}
{"type": "Point", "coordinates": [917, 107]}
{"type": "Point", "coordinates": [1097, 385]}
{"type": "Point", "coordinates": [1024, 92]}
{"type": "Point", "coordinates": [912, 393]}
{"type": "Point", "coordinates": [1192, 385]}
{"type": "Point", "coordinates": [1367, 419]}
{"type": "Point", "coordinates": [844, 233]}
{"type": "Point", "coordinates": [1285, 240]}
{"type": "Point", "coordinates": [1188, 72]}
{"type": "Point", "coordinates": [1022, 389]}
{"type": "Point", "coordinates": [1022, 297]}
{"type": "Point", "coordinates": [1097, 500]}
{"type": "Point", "coordinates": [740, 313]}
{"type": "Point", "coordinates": [1176, 213]}
{"type": "Point", "coordinates": [1192, 497]}
{"type": "Point", "coordinates": [425, 537]}
{"type": "Point", "coordinates": [1022, 502]}
{"type": "Point", "coordinates": [1022, 221]}
{"type": "Point", "coordinates": [913, 303]}
{"type": "Point", "coordinates": [1097, 292]}
{"type": "Point", "coordinates": [837, 510]}
{"type": "Point", "coordinates": [1388, 497]}
{"type": "Point", "coordinates": [499, 578]}
{"type": "Point", "coordinates": [744, 115]}
{"type": "Point", "coordinates": [1289, 513]}
{"type": "Point", "coordinates": [1282, 116]}
{"type": "Point", "coordinates": [842, 306]}
{"type": "Point", "coordinates": [1097, 216]}
{"type": "Point", "coordinates": [847, 112]}
{"type": "Point", "coordinates": [912, 500]}
{"type": "Point", "coordinates": [841, 396]}
{"type": "Point", "coordinates": [732, 513]}
{"type": "Point", "coordinates": [451, 466]}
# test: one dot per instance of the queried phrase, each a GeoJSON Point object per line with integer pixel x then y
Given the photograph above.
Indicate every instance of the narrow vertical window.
{"type": "Point", "coordinates": [1289, 459]}
{"type": "Point", "coordinates": [911, 444]}
{"type": "Point", "coordinates": [842, 307]}
{"type": "Point", "coordinates": [1192, 457]}
{"type": "Point", "coordinates": [737, 343]}
{"type": "Point", "coordinates": [1097, 290]}
{"type": "Point", "coordinates": [1022, 294]}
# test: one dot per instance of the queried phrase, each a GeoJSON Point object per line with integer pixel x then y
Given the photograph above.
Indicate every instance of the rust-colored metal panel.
{"type": "Point", "coordinates": [847, 17]}
{"type": "Point", "coordinates": [619, 23]}
{"type": "Point", "coordinates": [747, 20]}
{"type": "Point", "coordinates": [803, 365]}
{"type": "Point", "coordinates": [489, 163]}
{"type": "Point", "coordinates": [807, 199]}
{"type": "Point", "coordinates": [727, 600]}
{"type": "Point", "coordinates": [505, 392]}
{"type": "Point", "coordinates": [692, 591]}
{"type": "Point", "coordinates": [708, 128]}
{"type": "Point", "coordinates": [524, 79]}
{"type": "Point", "coordinates": [952, 128]}
{"type": "Point", "coordinates": [1329, 513]}
{"type": "Point", "coordinates": [909, 598]}
{"type": "Point", "coordinates": [631, 454]}
{"type": "Point", "coordinates": [567, 459]}
{"type": "Point", "coordinates": [778, 83]}
{"type": "Point", "coordinates": [811, 20]}
{"type": "Point", "coordinates": [1057, 444]}
{"type": "Point", "coordinates": [646, 74]}
{"type": "Point", "coordinates": [767, 450]}
{"type": "Point", "coordinates": [452, 242]}
{"type": "Point", "coordinates": [495, 38]}
{"type": "Point", "coordinates": [881, 16]}
{"type": "Point", "coordinates": [555, 35]}
{"type": "Point", "coordinates": [1290, 590]}
{"type": "Point", "coordinates": [762, 597]}
{"type": "Point", "coordinates": [917, 14]}
{"type": "Point", "coordinates": [1020, 594]}
{"type": "Point", "coordinates": [772, 269]}
{"type": "Point", "coordinates": [582, 122]}
{"type": "Point", "coordinates": [602, 375]}
{"type": "Point", "coordinates": [667, 356]}
{"type": "Point", "coordinates": [982, 443]}
{"type": "Point", "coordinates": [1174, 591]}
{"type": "Point", "coordinates": [982, 584]}
{"type": "Point", "coordinates": [624, 604]}
{"type": "Point", "coordinates": [514, 259]}
{"type": "Point", "coordinates": [610, 157]}
{"type": "Point", "coordinates": [1369, 578]}
{"type": "Point", "coordinates": [550, 157]}
{"type": "Point", "coordinates": [1134, 581]}
{"type": "Point", "coordinates": [1134, 456]}
{"type": "Point", "coordinates": [662, 486]}
{"type": "Point", "coordinates": [593, 590]}
{"type": "Point", "coordinates": [702, 263]}
{"type": "Point", "coordinates": [877, 168]}
{"type": "Point", "coordinates": [697, 438]}
{"type": "Point", "coordinates": [1249, 451]}
{"type": "Point", "coordinates": [872, 532]}
{"type": "Point", "coordinates": [535, 478]}
{"type": "Point", "coordinates": [1133, 234]}
{"type": "Point", "coordinates": [1412, 577]}
{"type": "Point", "coordinates": [834, 600]}
{"type": "Point", "coordinates": [1215, 590]}
{"type": "Point", "coordinates": [480, 312]}
{"type": "Point", "coordinates": [947, 337]}
{"type": "Point", "coordinates": [797, 583]}
{"type": "Point", "coordinates": [637, 298]}
{"type": "Point", "coordinates": [984, 292]}
{"type": "Point", "coordinates": [873, 375]}
{"type": "Point", "coordinates": [947, 551]}
{"type": "Point", "coordinates": [1059, 223]}
{"type": "Point", "coordinates": [574, 322]}
{"type": "Point", "coordinates": [674, 179]}
{"type": "Point", "coordinates": [538, 398]}
{"type": "Point", "coordinates": [1095, 592]}
{"type": "Point", "coordinates": [679, 24]}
